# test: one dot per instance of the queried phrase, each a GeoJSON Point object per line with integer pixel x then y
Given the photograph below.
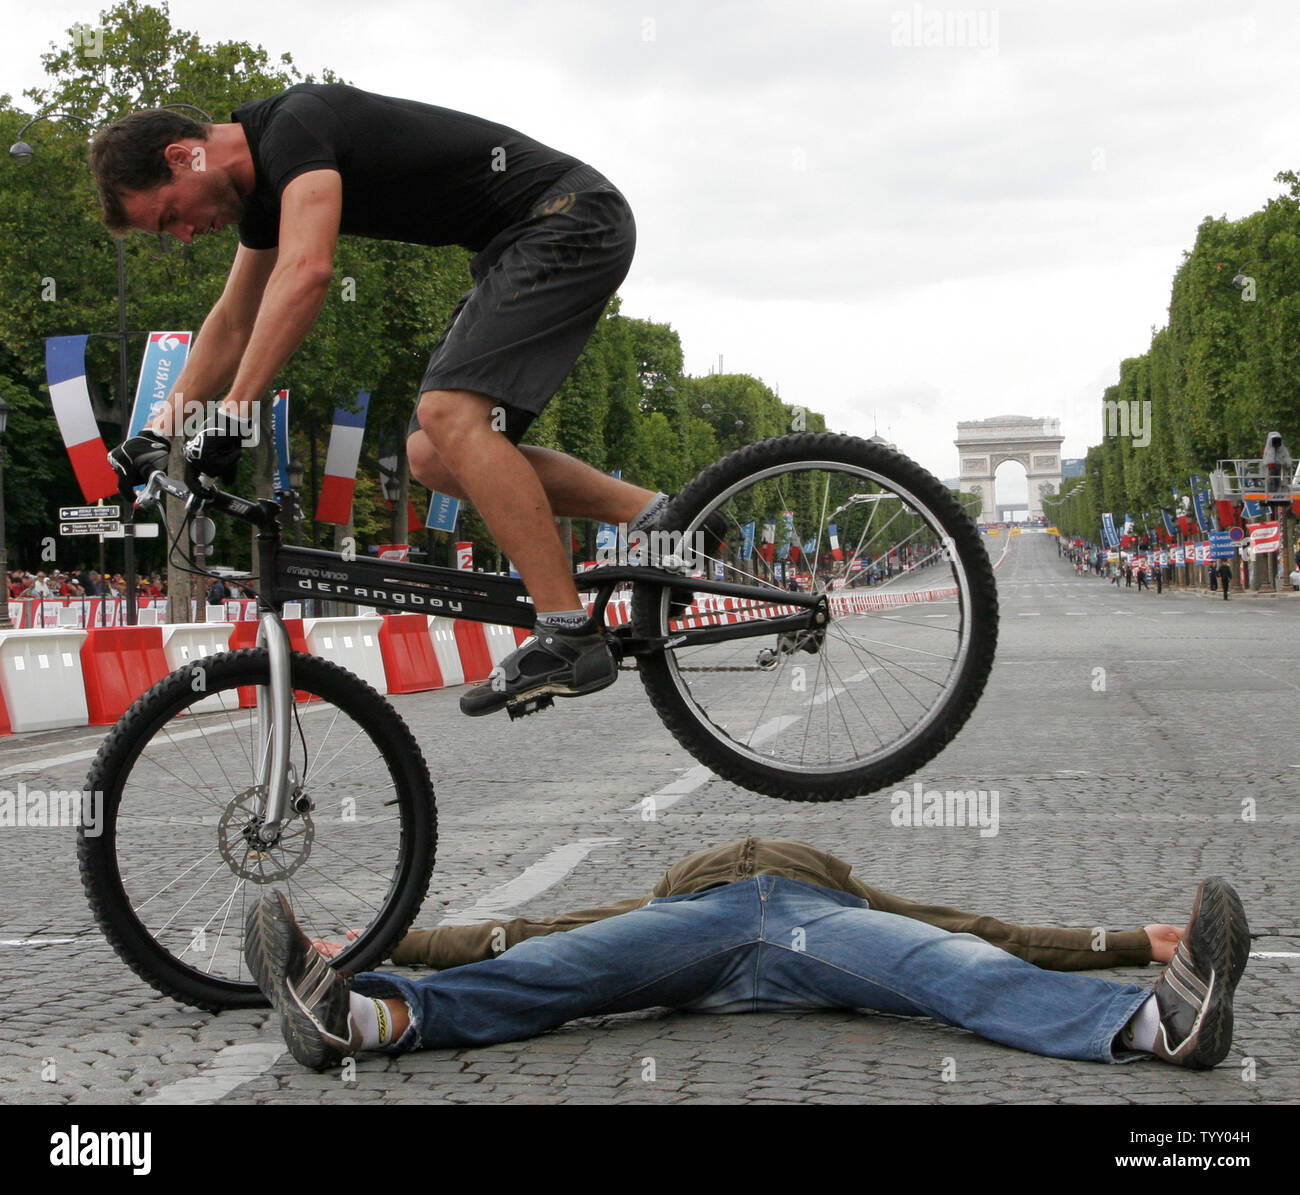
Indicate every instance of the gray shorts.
{"type": "Point", "coordinates": [541, 285]}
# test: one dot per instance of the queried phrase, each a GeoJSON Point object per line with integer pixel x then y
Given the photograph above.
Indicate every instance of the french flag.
{"type": "Point", "coordinates": [65, 370]}
{"type": "Point", "coordinates": [335, 504]}
{"type": "Point", "coordinates": [836, 552]}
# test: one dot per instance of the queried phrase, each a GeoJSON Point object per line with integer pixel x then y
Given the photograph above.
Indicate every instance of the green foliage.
{"type": "Point", "coordinates": [1223, 373]}
{"type": "Point", "coordinates": [626, 404]}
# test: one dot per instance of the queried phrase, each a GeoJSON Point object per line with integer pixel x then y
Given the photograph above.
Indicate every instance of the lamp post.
{"type": "Point", "coordinates": [22, 153]}
{"type": "Point", "coordinates": [295, 472]}
{"type": "Point", "coordinates": [4, 556]}
{"type": "Point", "coordinates": [707, 408]}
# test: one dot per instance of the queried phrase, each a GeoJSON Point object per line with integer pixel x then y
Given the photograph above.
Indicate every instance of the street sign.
{"type": "Point", "coordinates": [89, 512]}
{"type": "Point", "coordinates": [142, 531]}
{"type": "Point", "coordinates": [96, 527]}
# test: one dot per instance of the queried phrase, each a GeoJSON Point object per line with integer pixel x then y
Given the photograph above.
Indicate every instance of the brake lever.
{"type": "Point", "coordinates": [158, 484]}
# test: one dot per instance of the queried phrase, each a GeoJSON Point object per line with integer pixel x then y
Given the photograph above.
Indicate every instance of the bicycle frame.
{"type": "Point", "coordinates": [287, 573]}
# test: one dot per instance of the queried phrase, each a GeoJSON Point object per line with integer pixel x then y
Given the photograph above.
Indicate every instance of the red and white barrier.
{"type": "Point", "coordinates": [446, 650]}
{"type": "Point", "coordinates": [41, 680]}
{"type": "Point", "coordinates": [191, 643]}
{"type": "Point", "coordinates": [409, 660]}
{"type": "Point", "coordinates": [352, 643]}
{"type": "Point", "coordinates": [117, 665]}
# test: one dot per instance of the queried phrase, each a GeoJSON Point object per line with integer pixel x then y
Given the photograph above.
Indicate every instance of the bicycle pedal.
{"type": "Point", "coordinates": [530, 705]}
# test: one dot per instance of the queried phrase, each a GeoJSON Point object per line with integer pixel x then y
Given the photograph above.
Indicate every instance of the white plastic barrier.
{"type": "Point", "coordinates": [41, 679]}
{"type": "Point", "coordinates": [186, 642]}
{"type": "Point", "coordinates": [443, 631]}
{"type": "Point", "coordinates": [352, 643]}
{"type": "Point", "coordinates": [500, 641]}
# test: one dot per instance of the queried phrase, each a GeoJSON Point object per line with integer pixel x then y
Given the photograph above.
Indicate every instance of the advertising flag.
{"type": "Point", "coordinates": [164, 357]}
{"type": "Point", "coordinates": [335, 504]}
{"type": "Point", "coordinates": [280, 438]}
{"type": "Point", "coordinates": [747, 540]}
{"type": "Point", "coordinates": [65, 370]}
{"type": "Point", "coordinates": [443, 509]}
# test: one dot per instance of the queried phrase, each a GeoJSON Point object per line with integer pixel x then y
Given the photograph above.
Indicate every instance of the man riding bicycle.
{"type": "Point", "coordinates": [553, 240]}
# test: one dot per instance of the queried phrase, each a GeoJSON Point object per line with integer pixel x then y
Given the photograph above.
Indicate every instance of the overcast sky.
{"type": "Point", "coordinates": [900, 215]}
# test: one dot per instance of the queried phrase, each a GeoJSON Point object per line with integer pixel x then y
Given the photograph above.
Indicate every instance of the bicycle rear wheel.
{"type": "Point", "coordinates": [860, 702]}
{"type": "Point", "coordinates": [177, 862]}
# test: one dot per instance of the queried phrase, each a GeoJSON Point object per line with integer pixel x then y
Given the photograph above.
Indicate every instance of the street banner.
{"type": "Point", "coordinates": [164, 357]}
{"type": "Point", "coordinates": [443, 509]}
{"type": "Point", "coordinates": [1203, 552]}
{"type": "Point", "coordinates": [335, 503]}
{"type": "Point", "coordinates": [767, 549]}
{"type": "Point", "coordinates": [1109, 535]}
{"type": "Point", "coordinates": [465, 556]}
{"type": "Point", "coordinates": [1162, 559]}
{"type": "Point", "coordinates": [1178, 556]}
{"type": "Point", "coordinates": [65, 370]}
{"type": "Point", "coordinates": [280, 438]}
{"type": "Point", "coordinates": [1198, 504]}
{"type": "Point", "coordinates": [1221, 546]}
{"type": "Point", "coordinates": [837, 552]}
{"type": "Point", "coordinates": [787, 534]}
{"type": "Point", "coordinates": [1265, 537]}
{"type": "Point", "coordinates": [1169, 523]}
{"type": "Point", "coordinates": [394, 551]}
{"type": "Point", "coordinates": [747, 540]}
{"type": "Point", "coordinates": [607, 533]}
{"type": "Point", "coordinates": [1251, 508]}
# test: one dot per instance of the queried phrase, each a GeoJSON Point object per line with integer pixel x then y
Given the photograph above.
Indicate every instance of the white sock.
{"type": "Point", "coordinates": [373, 1019]}
{"type": "Point", "coordinates": [562, 620]}
{"type": "Point", "coordinates": [650, 512]}
{"type": "Point", "coordinates": [1140, 1032]}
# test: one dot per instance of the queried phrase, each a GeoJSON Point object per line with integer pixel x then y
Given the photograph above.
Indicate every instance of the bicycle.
{"type": "Point", "coordinates": [791, 667]}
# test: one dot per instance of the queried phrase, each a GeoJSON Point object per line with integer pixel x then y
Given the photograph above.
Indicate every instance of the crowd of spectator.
{"type": "Point", "coordinates": [79, 583]}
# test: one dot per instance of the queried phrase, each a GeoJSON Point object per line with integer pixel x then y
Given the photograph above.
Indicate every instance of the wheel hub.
{"type": "Point", "coordinates": [247, 854]}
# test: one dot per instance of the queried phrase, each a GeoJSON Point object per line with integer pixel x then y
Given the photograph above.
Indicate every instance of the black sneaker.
{"type": "Point", "coordinates": [1194, 992]}
{"type": "Point", "coordinates": [313, 999]}
{"type": "Point", "coordinates": [547, 662]}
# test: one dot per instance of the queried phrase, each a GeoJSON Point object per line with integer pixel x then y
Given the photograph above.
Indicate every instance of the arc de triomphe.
{"type": "Point", "coordinates": [983, 444]}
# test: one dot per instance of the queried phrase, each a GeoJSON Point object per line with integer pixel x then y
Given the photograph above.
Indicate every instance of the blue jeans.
{"type": "Point", "coordinates": [763, 944]}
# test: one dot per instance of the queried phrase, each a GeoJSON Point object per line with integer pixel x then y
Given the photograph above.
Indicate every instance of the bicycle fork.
{"type": "Point", "coordinates": [274, 727]}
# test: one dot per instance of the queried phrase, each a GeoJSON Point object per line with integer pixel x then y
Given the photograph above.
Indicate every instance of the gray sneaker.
{"type": "Point", "coordinates": [1194, 992]}
{"type": "Point", "coordinates": [547, 663]}
{"type": "Point", "coordinates": [313, 999]}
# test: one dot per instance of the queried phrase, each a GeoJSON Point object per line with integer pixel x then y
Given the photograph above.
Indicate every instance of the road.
{"type": "Point", "coordinates": [1136, 743]}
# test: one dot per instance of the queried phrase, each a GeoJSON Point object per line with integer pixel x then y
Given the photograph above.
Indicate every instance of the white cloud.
{"type": "Point", "coordinates": [915, 234]}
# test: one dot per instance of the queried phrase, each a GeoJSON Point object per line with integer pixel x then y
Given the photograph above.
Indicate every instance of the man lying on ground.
{"type": "Point", "coordinates": [763, 926]}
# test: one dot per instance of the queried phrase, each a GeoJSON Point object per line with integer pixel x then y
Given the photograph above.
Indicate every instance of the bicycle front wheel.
{"type": "Point", "coordinates": [862, 700]}
{"type": "Point", "coordinates": [176, 861]}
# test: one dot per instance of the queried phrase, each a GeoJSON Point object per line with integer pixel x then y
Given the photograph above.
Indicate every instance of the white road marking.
{"type": "Point", "coordinates": [1032, 614]}
{"type": "Point", "coordinates": [236, 1065]}
{"type": "Point", "coordinates": [532, 881]}
{"type": "Point", "coordinates": [699, 776]}
{"type": "Point", "coordinates": [232, 1067]}
{"type": "Point", "coordinates": [1274, 954]}
{"type": "Point", "coordinates": [36, 941]}
{"type": "Point", "coordinates": [54, 761]}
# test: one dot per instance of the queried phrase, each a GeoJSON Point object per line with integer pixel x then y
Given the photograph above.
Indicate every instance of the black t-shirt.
{"type": "Point", "coordinates": [411, 172]}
